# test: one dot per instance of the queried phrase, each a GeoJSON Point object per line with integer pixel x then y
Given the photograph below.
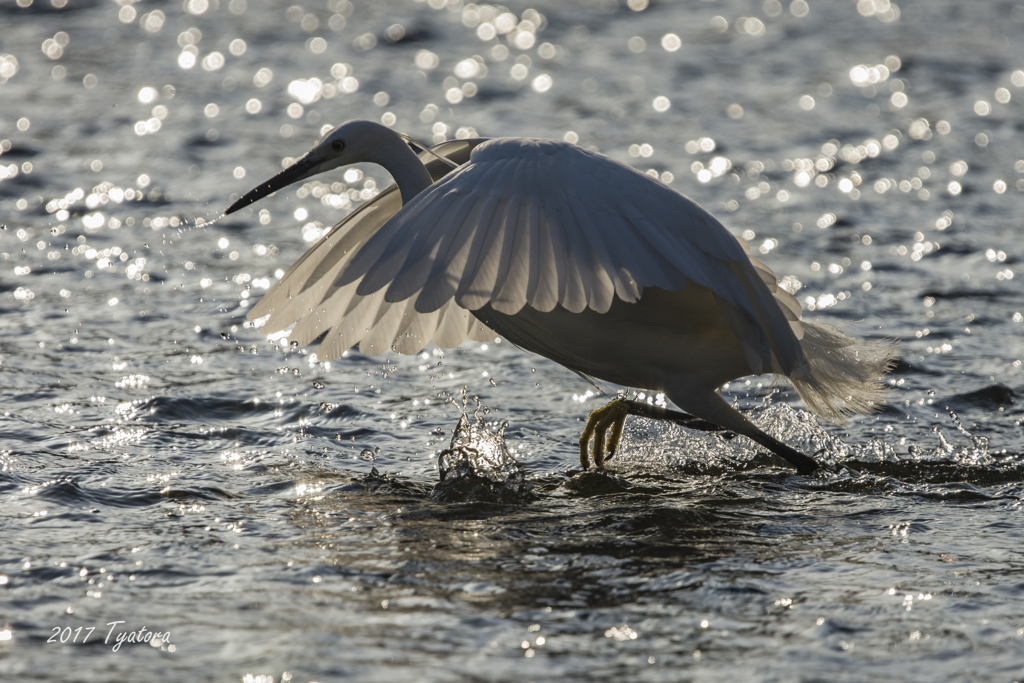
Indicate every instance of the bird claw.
{"type": "Point", "coordinates": [610, 417]}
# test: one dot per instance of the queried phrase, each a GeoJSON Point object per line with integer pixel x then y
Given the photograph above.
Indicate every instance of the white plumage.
{"type": "Point", "coordinates": [569, 254]}
{"type": "Point", "coordinates": [309, 291]}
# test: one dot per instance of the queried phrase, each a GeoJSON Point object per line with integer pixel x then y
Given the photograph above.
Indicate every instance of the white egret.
{"type": "Point", "coordinates": [571, 255]}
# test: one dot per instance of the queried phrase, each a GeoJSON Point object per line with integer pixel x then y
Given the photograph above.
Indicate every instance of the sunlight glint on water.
{"type": "Point", "coordinates": [166, 465]}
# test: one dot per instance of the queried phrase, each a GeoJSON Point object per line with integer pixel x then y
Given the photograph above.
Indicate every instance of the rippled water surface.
{"type": "Point", "coordinates": [276, 518]}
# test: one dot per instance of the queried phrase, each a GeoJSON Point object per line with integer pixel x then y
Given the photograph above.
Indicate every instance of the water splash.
{"type": "Point", "coordinates": [976, 453]}
{"type": "Point", "coordinates": [648, 441]}
{"type": "Point", "coordinates": [801, 430]}
{"type": "Point", "coordinates": [199, 222]}
{"type": "Point", "coordinates": [653, 441]}
{"type": "Point", "coordinates": [477, 466]}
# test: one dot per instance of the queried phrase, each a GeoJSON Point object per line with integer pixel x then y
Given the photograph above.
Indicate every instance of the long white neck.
{"type": "Point", "coordinates": [405, 167]}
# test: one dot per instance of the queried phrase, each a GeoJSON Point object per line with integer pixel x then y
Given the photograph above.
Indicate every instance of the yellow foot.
{"type": "Point", "coordinates": [611, 416]}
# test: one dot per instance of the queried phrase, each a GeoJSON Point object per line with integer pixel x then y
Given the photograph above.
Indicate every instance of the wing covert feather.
{"type": "Point", "coordinates": [542, 289]}
{"type": "Point", "coordinates": [514, 272]}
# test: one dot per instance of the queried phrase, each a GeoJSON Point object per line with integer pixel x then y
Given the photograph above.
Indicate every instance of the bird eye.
{"type": "Point", "coordinates": [337, 145]}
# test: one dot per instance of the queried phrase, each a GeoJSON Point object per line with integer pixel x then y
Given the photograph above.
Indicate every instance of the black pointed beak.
{"type": "Point", "coordinates": [299, 170]}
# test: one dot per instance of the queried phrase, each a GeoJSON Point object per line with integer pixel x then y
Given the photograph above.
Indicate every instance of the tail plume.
{"type": "Point", "coordinates": [846, 375]}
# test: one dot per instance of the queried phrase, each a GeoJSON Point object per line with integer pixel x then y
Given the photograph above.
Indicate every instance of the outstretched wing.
{"type": "Point", "coordinates": [545, 224]}
{"type": "Point", "coordinates": [310, 294]}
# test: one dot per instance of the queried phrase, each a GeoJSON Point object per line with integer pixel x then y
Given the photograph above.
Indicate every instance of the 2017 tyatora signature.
{"type": "Point", "coordinates": [115, 638]}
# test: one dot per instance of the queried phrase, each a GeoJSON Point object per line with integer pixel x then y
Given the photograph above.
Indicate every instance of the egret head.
{"type": "Point", "coordinates": [349, 143]}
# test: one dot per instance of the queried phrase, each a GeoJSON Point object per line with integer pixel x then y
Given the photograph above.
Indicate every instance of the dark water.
{"type": "Point", "coordinates": [276, 518]}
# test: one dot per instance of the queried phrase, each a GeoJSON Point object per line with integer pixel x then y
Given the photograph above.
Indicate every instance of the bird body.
{"type": "Point", "coordinates": [696, 344]}
{"type": "Point", "coordinates": [567, 254]}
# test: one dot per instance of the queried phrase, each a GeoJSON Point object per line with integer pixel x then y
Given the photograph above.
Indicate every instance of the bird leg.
{"type": "Point", "coordinates": [613, 417]}
{"type": "Point", "coordinates": [642, 409]}
{"type": "Point", "coordinates": [610, 417]}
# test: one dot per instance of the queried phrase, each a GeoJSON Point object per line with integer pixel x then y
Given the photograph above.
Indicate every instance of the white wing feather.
{"type": "Point", "coordinates": [526, 222]}
{"type": "Point", "coordinates": [542, 223]}
{"type": "Point", "coordinates": [310, 295]}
